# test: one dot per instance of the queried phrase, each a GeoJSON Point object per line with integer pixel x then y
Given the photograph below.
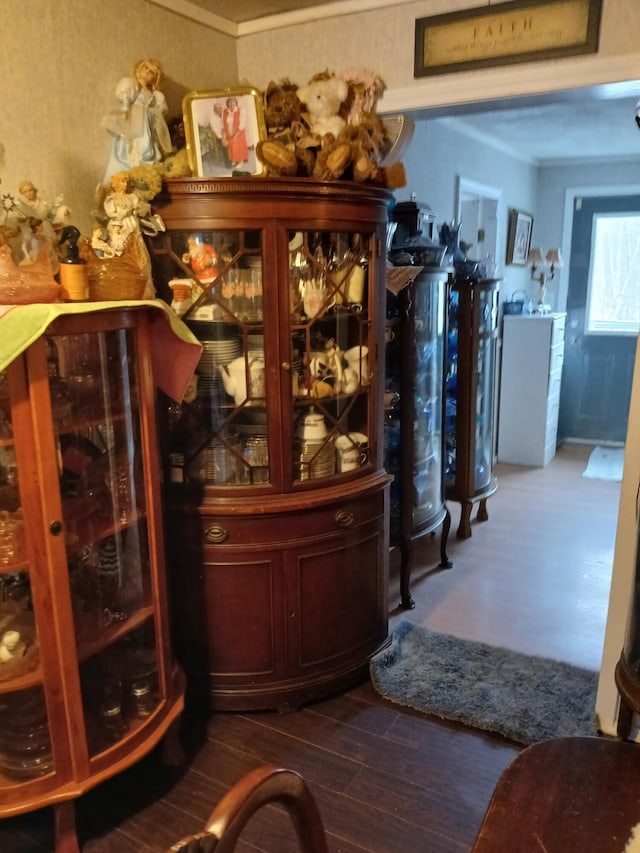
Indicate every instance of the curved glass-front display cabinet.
{"type": "Point", "coordinates": [414, 416]}
{"type": "Point", "coordinates": [277, 492]}
{"type": "Point", "coordinates": [470, 395]}
{"type": "Point", "coordinates": [86, 682]}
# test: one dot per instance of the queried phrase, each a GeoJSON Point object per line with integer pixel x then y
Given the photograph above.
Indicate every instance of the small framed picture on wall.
{"type": "Point", "coordinates": [519, 239]}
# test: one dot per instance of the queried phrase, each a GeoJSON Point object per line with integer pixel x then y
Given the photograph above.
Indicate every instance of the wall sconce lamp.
{"type": "Point", "coordinates": [543, 269]}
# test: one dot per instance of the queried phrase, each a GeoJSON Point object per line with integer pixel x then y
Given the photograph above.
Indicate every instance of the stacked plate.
{"type": "Point", "coordinates": [314, 460]}
{"type": "Point", "coordinates": [25, 744]}
{"type": "Point", "coordinates": [255, 342]}
{"type": "Point", "coordinates": [215, 353]}
{"type": "Point", "coordinates": [210, 387]}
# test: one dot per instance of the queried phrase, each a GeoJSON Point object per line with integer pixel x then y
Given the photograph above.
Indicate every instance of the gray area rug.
{"type": "Point", "coordinates": [523, 697]}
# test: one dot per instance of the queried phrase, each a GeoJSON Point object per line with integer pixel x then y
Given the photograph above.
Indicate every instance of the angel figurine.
{"type": "Point", "coordinates": [139, 128]}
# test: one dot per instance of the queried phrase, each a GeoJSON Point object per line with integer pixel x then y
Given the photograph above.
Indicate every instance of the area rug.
{"type": "Point", "coordinates": [605, 463]}
{"type": "Point", "coordinates": [523, 697]}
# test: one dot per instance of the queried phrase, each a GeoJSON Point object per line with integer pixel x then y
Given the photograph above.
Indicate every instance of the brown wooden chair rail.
{"type": "Point", "coordinates": [258, 788]}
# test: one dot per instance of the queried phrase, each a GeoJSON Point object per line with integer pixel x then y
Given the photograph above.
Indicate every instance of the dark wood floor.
{"type": "Point", "coordinates": [535, 578]}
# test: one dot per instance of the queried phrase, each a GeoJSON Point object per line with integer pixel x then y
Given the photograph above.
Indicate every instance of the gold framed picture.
{"type": "Point", "coordinates": [519, 239]}
{"type": "Point", "coordinates": [222, 129]}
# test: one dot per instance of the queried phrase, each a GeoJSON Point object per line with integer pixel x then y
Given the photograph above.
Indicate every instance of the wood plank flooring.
{"type": "Point", "coordinates": [535, 578]}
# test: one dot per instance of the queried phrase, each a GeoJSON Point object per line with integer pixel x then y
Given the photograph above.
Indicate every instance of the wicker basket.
{"type": "Point", "coordinates": [122, 277]}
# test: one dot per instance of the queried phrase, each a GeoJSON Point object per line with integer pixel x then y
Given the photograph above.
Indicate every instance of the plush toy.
{"type": "Point", "coordinates": [356, 155]}
{"type": "Point", "coordinates": [281, 152]}
{"type": "Point", "coordinates": [364, 89]}
{"type": "Point", "coordinates": [328, 130]}
{"type": "Point", "coordinates": [323, 97]}
{"type": "Point", "coordinates": [177, 165]}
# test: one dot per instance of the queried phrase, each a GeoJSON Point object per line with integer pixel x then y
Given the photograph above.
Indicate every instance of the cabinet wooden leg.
{"type": "Point", "coordinates": [625, 719]}
{"type": "Point", "coordinates": [482, 514]}
{"type": "Point", "coordinates": [445, 562]}
{"type": "Point", "coordinates": [406, 560]}
{"type": "Point", "coordinates": [64, 820]}
{"type": "Point", "coordinates": [173, 754]}
{"type": "Point", "coordinates": [464, 528]}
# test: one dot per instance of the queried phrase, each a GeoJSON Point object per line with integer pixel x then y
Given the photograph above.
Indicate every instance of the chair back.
{"type": "Point", "coordinates": [256, 789]}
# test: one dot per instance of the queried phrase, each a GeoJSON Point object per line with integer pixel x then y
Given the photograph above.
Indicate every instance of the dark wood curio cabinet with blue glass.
{"type": "Point", "coordinates": [414, 416]}
{"type": "Point", "coordinates": [470, 396]}
{"type": "Point", "coordinates": [277, 500]}
{"type": "Point", "coordinates": [87, 682]}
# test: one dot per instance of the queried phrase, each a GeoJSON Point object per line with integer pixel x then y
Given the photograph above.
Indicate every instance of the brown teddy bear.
{"type": "Point", "coordinates": [327, 130]}
{"type": "Point", "coordinates": [357, 154]}
{"type": "Point", "coordinates": [281, 153]}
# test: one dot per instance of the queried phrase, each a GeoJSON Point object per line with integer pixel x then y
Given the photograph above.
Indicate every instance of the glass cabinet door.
{"type": "Point", "coordinates": [487, 308]}
{"type": "Point", "coordinates": [309, 324]}
{"type": "Point", "coordinates": [218, 435]}
{"type": "Point", "coordinates": [329, 356]}
{"type": "Point", "coordinates": [95, 407]}
{"type": "Point", "coordinates": [25, 742]}
{"type": "Point", "coordinates": [427, 394]}
{"type": "Point", "coordinates": [469, 385]}
{"type": "Point", "coordinates": [451, 387]}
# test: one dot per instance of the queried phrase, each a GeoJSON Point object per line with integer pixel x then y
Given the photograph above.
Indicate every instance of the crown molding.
{"type": "Point", "coordinates": [188, 10]}
{"type": "Point", "coordinates": [192, 12]}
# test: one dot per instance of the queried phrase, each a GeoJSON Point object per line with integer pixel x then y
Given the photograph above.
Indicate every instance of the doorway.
{"type": "Point", "coordinates": [586, 570]}
{"type": "Point", "coordinates": [598, 368]}
{"type": "Point", "coordinates": [478, 212]}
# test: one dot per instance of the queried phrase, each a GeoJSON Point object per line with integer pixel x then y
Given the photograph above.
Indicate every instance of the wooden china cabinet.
{"type": "Point", "coordinates": [470, 395]}
{"type": "Point", "coordinates": [277, 502]}
{"type": "Point", "coordinates": [87, 682]}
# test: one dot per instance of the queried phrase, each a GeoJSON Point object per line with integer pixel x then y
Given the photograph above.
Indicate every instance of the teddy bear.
{"type": "Point", "coordinates": [323, 96]}
{"type": "Point", "coordinates": [281, 153]}
{"type": "Point", "coordinates": [357, 154]}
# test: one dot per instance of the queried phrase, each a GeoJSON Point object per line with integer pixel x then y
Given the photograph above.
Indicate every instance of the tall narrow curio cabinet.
{"type": "Point", "coordinates": [414, 416]}
{"type": "Point", "coordinates": [277, 499]}
{"type": "Point", "coordinates": [469, 396]}
{"type": "Point", "coordinates": [87, 681]}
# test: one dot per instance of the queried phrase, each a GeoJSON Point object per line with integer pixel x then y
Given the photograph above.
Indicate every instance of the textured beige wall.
{"type": "Point", "coordinates": [60, 62]}
{"type": "Point", "coordinates": [383, 40]}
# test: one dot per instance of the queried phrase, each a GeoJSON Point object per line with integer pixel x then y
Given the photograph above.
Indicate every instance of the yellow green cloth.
{"type": "Point", "coordinates": [176, 350]}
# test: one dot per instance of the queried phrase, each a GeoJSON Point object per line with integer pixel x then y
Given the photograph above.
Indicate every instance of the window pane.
{"type": "Point", "coordinates": [613, 297]}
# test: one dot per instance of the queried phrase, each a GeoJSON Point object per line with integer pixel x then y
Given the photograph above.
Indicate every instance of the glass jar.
{"type": "Point", "coordinates": [111, 721]}
{"type": "Point", "coordinates": [143, 697]}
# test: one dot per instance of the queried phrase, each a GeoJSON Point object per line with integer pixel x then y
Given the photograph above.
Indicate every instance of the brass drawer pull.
{"type": "Point", "coordinates": [344, 518]}
{"type": "Point", "coordinates": [216, 534]}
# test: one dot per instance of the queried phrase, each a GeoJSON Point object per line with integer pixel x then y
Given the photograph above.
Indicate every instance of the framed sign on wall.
{"type": "Point", "coordinates": [506, 33]}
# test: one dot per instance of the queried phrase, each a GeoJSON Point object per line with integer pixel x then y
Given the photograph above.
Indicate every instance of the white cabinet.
{"type": "Point", "coordinates": [532, 355]}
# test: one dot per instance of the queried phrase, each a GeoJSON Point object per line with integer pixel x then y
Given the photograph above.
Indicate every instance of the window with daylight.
{"type": "Point", "coordinates": [613, 296]}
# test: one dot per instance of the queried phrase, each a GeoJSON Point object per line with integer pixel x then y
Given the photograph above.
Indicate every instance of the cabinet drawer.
{"type": "Point", "coordinates": [553, 411]}
{"type": "Point", "coordinates": [556, 357]}
{"type": "Point", "coordinates": [220, 530]}
{"type": "Point", "coordinates": [557, 332]}
{"type": "Point", "coordinates": [553, 389]}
